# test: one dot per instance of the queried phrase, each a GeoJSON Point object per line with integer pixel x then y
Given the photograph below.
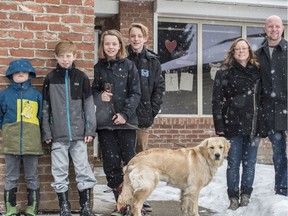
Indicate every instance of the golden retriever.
{"type": "Point", "coordinates": [189, 169]}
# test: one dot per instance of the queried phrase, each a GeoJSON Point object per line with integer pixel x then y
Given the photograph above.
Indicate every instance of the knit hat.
{"type": "Point", "coordinates": [22, 65]}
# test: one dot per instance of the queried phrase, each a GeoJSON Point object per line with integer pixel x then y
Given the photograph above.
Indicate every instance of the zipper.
{"type": "Point", "coordinates": [254, 118]}
{"type": "Point", "coordinates": [67, 105]}
{"type": "Point", "coordinates": [255, 114]}
{"type": "Point", "coordinates": [21, 120]}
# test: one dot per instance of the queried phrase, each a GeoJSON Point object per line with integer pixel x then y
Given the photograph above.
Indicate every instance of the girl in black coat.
{"type": "Point", "coordinates": [116, 90]}
{"type": "Point", "coordinates": [235, 106]}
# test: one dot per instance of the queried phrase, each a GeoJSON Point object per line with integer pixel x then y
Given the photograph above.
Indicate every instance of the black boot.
{"type": "Point", "coordinates": [245, 195]}
{"type": "Point", "coordinates": [33, 202]}
{"type": "Point", "coordinates": [85, 203]}
{"type": "Point", "coordinates": [10, 202]}
{"type": "Point", "coordinates": [116, 192]}
{"type": "Point", "coordinates": [234, 199]}
{"type": "Point", "coordinates": [65, 209]}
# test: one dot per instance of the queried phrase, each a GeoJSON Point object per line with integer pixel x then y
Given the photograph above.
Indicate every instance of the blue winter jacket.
{"type": "Point", "coordinates": [20, 114]}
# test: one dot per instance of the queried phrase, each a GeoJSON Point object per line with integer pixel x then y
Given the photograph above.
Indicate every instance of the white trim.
{"type": "Point", "coordinates": [199, 70]}
{"type": "Point", "coordinates": [106, 8]}
{"type": "Point", "coordinates": [155, 35]}
{"type": "Point", "coordinates": [222, 10]}
{"type": "Point", "coordinates": [182, 116]}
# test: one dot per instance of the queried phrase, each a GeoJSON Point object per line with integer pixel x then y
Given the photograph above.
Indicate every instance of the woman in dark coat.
{"type": "Point", "coordinates": [235, 105]}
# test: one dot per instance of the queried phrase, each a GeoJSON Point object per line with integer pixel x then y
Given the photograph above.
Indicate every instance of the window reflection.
{"type": "Point", "coordinates": [178, 57]}
{"type": "Point", "coordinates": [217, 39]}
{"type": "Point", "coordinates": [255, 36]}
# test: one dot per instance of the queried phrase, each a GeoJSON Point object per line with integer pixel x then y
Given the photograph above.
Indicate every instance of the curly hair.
{"type": "Point", "coordinates": [229, 58]}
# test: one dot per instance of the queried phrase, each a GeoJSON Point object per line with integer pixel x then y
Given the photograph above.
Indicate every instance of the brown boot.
{"type": "Point", "coordinates": [234, 203]}
{"type": "Point", "coordinates": [244, 199]}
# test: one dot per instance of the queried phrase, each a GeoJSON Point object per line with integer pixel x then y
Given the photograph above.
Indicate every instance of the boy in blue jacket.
{"type": "Point", "coordinates": [20, 117]}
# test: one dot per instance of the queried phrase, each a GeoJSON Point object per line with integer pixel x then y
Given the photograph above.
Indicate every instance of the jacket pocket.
{"type": "Point", "coordinates": [144, 114]}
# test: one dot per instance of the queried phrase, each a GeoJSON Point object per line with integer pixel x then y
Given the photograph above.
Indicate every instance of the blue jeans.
{"type": "Point", "coordinates": [278, 140]}
{"type": "Point", "coordinates": [243, 149]}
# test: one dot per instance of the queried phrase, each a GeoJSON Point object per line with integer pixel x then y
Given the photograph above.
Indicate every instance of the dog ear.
{"type": "Point", "coordinates": [203, 147]}
{"type": "Point", "coordinates": [226, 146]}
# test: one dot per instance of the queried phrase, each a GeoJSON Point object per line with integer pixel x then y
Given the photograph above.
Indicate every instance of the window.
{"type": "Point", "coordinates": [178, 56]}
{"type": "Point", "coordinates": [190, 54]}
{"type": "Point", "coordinates": [255, 36]}
{"type": "Point", "coordinates": [216, 41]}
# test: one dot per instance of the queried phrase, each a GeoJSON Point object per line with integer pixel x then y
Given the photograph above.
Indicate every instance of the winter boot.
{"type": "Point", "coordinates": [234, 199]}
{"type": "Point", "coordinates": [244, 199]}
{"type": "Point", "coordinates": [234, 203]}
{"type": "Point", "coordinates": [85, 203]}
{"type": "Point", "coordinates": [117, 191]}
{"type": "Point", "coordinates": [65, 209]}
{"type": "Point", "coordinates": [33, 202]}
{"type": "Point", "coordinates": [123, 211]}
{"type": "Point", "coordinates": [10, 202]}
{"type": "Point", "coordinates": [245, 195]}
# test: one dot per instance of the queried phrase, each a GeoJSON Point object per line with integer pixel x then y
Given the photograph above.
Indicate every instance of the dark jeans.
{"type": "Point", "coordinates": [243, 149]}
{"type": "Point", "coordinates": [117, 146]}
{"type": "Point", "coordinates": [278, 140]}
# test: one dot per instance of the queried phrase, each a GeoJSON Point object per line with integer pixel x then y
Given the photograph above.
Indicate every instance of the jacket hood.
{"type": "Point", "coordinates": [22, 65]}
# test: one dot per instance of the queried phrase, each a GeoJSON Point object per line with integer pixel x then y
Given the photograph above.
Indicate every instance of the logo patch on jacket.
{"type": "Point", "coordinates": [144, 73]}
{"type": "Point", "coordinates": [27, 111]}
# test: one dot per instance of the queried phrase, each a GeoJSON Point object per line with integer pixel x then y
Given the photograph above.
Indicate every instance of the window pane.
{"type": "Point", "coordinates": [177, 48]}
{"type": "Point", "coordinates": [216, 40]}
{"type": "Point", "coordinates": [255, 36]}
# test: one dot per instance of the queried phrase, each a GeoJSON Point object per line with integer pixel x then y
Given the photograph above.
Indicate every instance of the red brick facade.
{"type": "Point", "coordinates": [30, 29]}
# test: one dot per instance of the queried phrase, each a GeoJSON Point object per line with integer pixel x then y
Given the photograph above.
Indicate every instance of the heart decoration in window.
{"type": "Point", "coordinates": [171, 45]}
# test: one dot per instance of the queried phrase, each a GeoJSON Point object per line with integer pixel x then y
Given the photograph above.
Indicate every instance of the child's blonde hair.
{"type": "Point", "coordinates": [122, 51]}
{"type": "Point", "coordinates": [65, 46]}
{"type": "Point", "coordinates": [142, 27]}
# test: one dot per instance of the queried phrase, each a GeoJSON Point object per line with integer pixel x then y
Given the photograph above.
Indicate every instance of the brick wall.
{"type": "Point", "coordinates": [129, 12]}
{"type": "Point", "coordinates": [30, 29]}
{"type": "Point", "coordinates": [177, 132]}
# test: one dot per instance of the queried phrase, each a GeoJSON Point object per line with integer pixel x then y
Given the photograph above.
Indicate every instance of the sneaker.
{"type": "Point", "coordinates": [147, 207]}
{"type": "Point", "coordinates": [234, 203]}
{"type": "Point", "coordinates": [244, 201]}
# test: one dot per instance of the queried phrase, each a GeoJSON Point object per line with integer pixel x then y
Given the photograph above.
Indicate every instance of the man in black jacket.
{"type": "Point", "coordinates": [273, 60]}
{"type": "Point", "coordinates": [151, 81]}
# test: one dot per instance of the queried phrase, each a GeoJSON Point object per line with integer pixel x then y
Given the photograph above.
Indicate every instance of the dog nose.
{"type": "Point", "coordinates": [217, 156]}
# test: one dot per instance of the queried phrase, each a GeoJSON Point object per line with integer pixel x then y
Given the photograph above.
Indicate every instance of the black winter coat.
{"type": "Point", "coordinates": [235, 101]}
{"type": "Point", "coordinates": [123, 76]}
{"type": "Point", "coordinates": [152, 85]}
{"type": "Point", "coordinates": [274, 88]}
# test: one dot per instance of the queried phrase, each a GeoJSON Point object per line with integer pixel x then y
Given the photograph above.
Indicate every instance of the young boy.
{"type": "Point", "coordinates": [152, 84]}
{"type": "Point", "coordinates": [152, 81]}
{"type": "Point", "coordinates": [20, 117]}
{"type": "Point", "coordinates": [69, 123]}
